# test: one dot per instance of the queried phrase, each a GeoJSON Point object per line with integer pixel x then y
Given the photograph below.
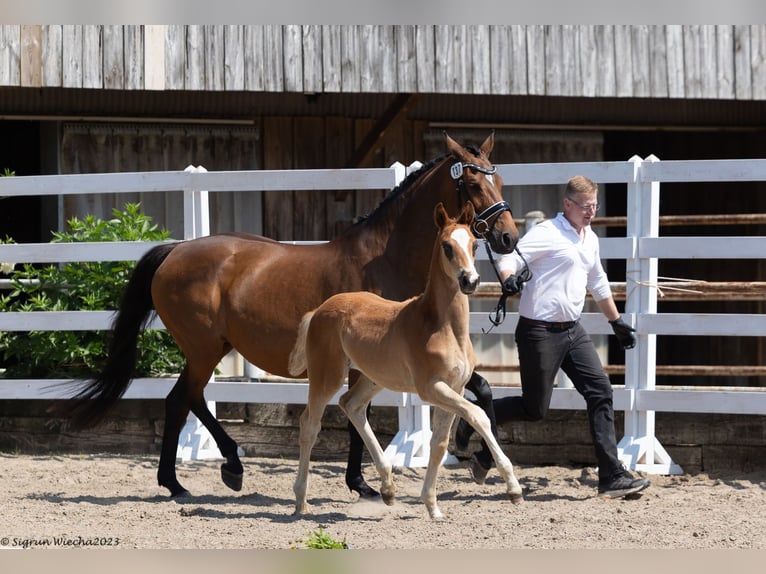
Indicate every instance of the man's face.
{"type": "Point", "coordinates": [581, 209]}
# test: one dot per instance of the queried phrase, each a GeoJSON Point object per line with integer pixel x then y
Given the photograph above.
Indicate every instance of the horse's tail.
{"type": "Point", "coordinates": [298, 363]}
{"type": "Point", "coordinates": [95, 397]}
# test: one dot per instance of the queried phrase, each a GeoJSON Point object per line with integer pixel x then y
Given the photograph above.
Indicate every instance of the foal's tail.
{"type": "Point", "coordinates": [95, 397]}
{"type": "Point", "coordinates": [298, 363]}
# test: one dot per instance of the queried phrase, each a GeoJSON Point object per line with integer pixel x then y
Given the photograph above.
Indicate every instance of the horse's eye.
{"type": "Point", "coordinates": [447, 249]}
{"type": "Point", "coordinates": [475, 246]}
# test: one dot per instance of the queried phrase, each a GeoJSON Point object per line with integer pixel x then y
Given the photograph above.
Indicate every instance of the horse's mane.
{"type": "Point", "coordinates": [399, 190]}
{"type": "Point", "coordinates": [392, 196]}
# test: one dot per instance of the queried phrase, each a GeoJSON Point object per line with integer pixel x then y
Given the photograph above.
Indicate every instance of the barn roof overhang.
{"type": "Point", "coordinates": [538, 112]}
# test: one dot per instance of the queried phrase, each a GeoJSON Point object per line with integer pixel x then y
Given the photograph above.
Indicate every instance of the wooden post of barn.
{"type": "Point", "coordinates": [639, 449]}
{"type": "Point", "coordinates": [195, 442]}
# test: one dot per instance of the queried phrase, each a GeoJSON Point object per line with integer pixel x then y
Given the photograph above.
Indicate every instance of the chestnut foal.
{"type": "Point", "coordinates": [419, 345]}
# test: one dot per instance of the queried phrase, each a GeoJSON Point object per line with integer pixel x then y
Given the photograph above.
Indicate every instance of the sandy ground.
{"type": "Point", "coordinates": [114, 501]}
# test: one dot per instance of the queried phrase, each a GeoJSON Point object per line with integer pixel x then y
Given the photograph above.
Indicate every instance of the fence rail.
{"type": "Point", "coordinates": [641, 248]}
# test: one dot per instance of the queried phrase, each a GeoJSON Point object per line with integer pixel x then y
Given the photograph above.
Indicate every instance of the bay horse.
{"type": "Point", "coordinates": [249, 293]}
{"type": "Point", "coordinates": [420, 345]}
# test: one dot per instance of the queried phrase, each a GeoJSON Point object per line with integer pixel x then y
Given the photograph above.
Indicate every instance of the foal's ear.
{"type": "Point", "coordinates": [440, 215]}
{"type": "Point", "coordinates": [467, 214]}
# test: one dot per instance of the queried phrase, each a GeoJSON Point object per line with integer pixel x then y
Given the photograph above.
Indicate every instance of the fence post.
{"type": "Point", "coordinates": [639, 449]}
{"type": "Point", "coordinates": [195, 442]}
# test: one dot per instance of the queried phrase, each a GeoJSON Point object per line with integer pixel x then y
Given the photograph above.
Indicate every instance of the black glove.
{"type": "Point", "coordinates": [624, 333]}
{"type": "Point", "coordinates": [512, 285]}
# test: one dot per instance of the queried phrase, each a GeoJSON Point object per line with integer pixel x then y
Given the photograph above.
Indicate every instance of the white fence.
{"type": "Point", "coordinates": [641, 248]}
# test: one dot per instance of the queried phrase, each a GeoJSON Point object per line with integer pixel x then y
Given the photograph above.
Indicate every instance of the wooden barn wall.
{"type": "Point", "coordinates": [302, 143]}
{"type": "Point", "coordinates": [104, 148]}
{"type": "Point", "coordinates": [279, 143]}
{"type": "Point", "coordinates": [663, 61]}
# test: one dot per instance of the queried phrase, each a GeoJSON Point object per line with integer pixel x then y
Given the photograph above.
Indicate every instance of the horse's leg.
{"type": "Point", "coordinates": [176, 410]}
{"type": "Point", "coordinates": [354, 479]}
{"type": "Point", "coordinates": [231, 470]}
{"type": "Point", "coordinates": [442, 395]}
{"type": "Point", "coordinates": [188, 392]}
{"type": "Point", "coordinates": [479, 386]}
{"type": "Point", "coordinates": [441, 424]}
{"type": "Point", "coordinates": [355, 403]}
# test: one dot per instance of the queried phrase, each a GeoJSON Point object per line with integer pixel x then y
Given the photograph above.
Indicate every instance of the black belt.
{"type": "Point", "coordinates": [556, 326]}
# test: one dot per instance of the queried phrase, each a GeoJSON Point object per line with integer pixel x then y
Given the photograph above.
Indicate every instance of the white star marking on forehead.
{"type": "Point", "coordinates": [462, 238]}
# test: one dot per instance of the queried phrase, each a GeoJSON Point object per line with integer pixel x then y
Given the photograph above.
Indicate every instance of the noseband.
{"type": "Point", "coordinates": [481, 226]}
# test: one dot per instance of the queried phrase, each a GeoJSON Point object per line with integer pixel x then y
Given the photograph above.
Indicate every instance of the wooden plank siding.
{"type": "Point", "coordinates": [636, 61]}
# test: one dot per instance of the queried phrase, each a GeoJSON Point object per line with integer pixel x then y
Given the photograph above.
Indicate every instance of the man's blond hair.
{"type": "Point", "coordinates": [581, 184]}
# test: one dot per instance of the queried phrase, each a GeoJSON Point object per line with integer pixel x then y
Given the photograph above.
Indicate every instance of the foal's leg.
{"type": "Point", "coordinates": [354, 479]}
{"type": "Point", "coordinates": [355, 403]}
{"type": "Point", "coordinates": [231, 470]}
{"type": "Point", "coordinates": [442, 422]}
{"type": "Point", "coordinates": [322, 387]}
{"type": "Point", "coordinates": [442, 395]}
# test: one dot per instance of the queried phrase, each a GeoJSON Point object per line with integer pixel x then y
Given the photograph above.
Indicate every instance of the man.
{"type": "Point", "coordinates": [563, 256]}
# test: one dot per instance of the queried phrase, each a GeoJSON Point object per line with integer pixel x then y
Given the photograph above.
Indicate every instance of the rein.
{"type": "Point", "coordinates": [497, 316]}
{"type": "Point", "coordinates": [481, 229]}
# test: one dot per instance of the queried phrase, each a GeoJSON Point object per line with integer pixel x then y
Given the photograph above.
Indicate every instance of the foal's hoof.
{"type": "Point", "coordinates": [231, 479]}
{"type": "Point", "coordinates": [516, 498]}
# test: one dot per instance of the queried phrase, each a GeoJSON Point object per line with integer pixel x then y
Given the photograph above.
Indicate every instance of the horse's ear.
{"type": "Point", "coordinates": [455, 148]}
{"type": "Point", "coordinates": [441, 217]}
{"type": "Point", "coordinates": [489, 143]}
{"type": "Point", "coordinates": [467, 214]}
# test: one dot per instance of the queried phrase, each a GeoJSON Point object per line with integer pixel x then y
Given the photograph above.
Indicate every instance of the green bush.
{"type": "Point", "coordinates": [81, 286]}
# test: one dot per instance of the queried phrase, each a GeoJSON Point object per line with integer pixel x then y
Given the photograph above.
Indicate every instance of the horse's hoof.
{"type": "Point", "coordinates": [389, 499]}
{"type": "Point", "coordinates": [179, 494]}
{"type": "Point", "coordinates": [364, 490]}
{"type": "Point", "coordinates": [231, 479]}
{"type": "Point", "coordinates": [175, 488]}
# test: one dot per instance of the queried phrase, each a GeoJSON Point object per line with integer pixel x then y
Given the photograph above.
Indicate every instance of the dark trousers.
{"type": "Point", "coordinates": [542, 352]}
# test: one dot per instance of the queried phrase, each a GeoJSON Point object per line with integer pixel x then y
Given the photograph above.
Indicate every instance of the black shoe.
{"type": "Point", "coordinates": [463, 434]}
{"type": "Point", "coordinates": [477, 469]}
{"type": "Point", "coordinates": [622, 485]}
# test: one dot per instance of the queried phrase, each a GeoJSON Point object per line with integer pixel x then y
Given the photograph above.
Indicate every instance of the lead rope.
{"type": "Point", "coordinates": [497, 316]}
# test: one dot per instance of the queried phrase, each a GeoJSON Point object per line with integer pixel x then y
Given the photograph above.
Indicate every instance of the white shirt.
{"type": "Point", "coordinates": [564, 268]}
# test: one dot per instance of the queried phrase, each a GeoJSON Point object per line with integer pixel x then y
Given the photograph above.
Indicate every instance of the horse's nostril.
{"type": "Point", "coordinates": [509, 241]}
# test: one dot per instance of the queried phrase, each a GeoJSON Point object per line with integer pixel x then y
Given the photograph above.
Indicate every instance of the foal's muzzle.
{"type": "Point", "coordinates": [468, 282]}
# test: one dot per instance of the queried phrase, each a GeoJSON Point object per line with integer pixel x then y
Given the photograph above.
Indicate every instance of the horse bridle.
{"type": "Point", "coordinates": [481, 229]}
{"type": "Point", "coordinates": [481, 226]}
